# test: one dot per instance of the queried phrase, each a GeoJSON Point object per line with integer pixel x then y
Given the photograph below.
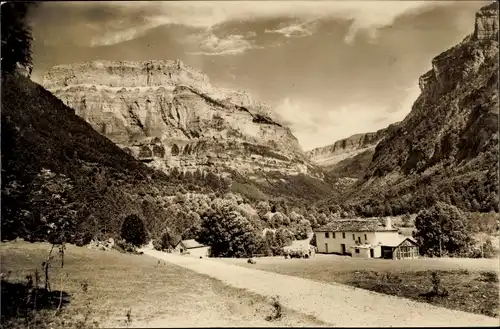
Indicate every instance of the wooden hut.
{"type": "Point", "coordinates": [406, 248]}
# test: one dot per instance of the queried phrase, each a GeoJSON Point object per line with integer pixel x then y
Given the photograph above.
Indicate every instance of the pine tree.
{"type": "Point", "coordinates": [16, 36]}
{"type": "Point", "coordinates": [133, 230]}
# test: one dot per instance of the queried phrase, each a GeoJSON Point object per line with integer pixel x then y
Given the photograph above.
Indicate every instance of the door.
{"type": "Point", "coordinates": [372, 253]}
{"type": "Point", "coordinates": [342, 249]}
{"type": "Point", "coordinates": [326, 248]}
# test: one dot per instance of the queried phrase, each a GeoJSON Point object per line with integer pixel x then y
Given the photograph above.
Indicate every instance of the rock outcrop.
{"type": "Point", "coordinates": [486, 27]}
{"type": "Point", "coordinates": [446, 148]}
{"type": "Point", "coordinates": [169, 115]}
{"type": "Point", "coordinates": [348, 147]}
{"type": "Point", "coordinates": [454, 121]}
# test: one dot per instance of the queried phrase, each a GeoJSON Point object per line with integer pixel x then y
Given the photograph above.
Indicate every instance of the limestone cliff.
{"type": "Point", "coordinates": [343, 149]}
{"type": "Point", "coordinates": [446, 148]}
{"type": "Point", "coordinates": [169, 115]}
{"type": "Point", "coordinates": [454, 121]}
{"type": "Point", "coordinates": [486, 27]}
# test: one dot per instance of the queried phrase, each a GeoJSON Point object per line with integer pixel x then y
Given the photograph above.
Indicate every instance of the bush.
{"type": "Point", "coordinates": [489, 277]}
{"type": "Point", "coordinates": [133, 231]}
{"type": "Point", "coordinates": [277, 310]}
{"type": "Point", "coordinates": [157, 245]}
{"type": "Point", "coordinates": [125, 247]}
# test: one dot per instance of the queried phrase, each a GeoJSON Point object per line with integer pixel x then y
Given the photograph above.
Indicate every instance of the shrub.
{"type": "Point", "coordinates": [277, 310]}
{"type": "Point", "coordinates": [133, 230]}
{"type": "Point", "coordinates": [123, 246]}
{"type": "Point", "coordinates": [489, 277]}
{"type": "Point", "coordinates": [437, 289]}
{"type": "Point", "coordinates": [157, 245]}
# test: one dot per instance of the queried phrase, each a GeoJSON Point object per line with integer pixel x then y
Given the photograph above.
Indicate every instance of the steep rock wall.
{"type": "Point", "coordinates": [169, 115]}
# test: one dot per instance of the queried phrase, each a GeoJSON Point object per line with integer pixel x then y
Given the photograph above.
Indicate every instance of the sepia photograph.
{"type": "Point", "coordinates": [180, 164]}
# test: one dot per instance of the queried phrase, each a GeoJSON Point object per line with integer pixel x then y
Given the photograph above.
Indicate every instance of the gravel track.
{"type": "Point", "coordinates": [335, 304]}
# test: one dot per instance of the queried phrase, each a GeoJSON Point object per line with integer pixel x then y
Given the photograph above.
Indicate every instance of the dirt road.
{"type": "Point", "coordinates": [335, 304]}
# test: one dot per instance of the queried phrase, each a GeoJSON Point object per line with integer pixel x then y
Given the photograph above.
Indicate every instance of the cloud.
{"type": "Point", "coordinates": [365, 16]}
{"type": "Point", "coordinates": [210, 44]}
{"type": "Point", "coordinates": [316, 125]}
{"type": "Point", "coordinates": [115, 37]}
{"type": "Point", "coordinates": [295, 30]}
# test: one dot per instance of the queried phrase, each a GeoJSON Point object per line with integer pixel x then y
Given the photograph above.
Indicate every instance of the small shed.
{"type": "Point", "coordinates": [193, 247]}
{"type": "Point", "coordinates": [403, 248]}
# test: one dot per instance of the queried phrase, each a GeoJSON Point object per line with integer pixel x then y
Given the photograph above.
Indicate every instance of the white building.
{"type": "Point", "coordinates": [355, 237]}
{"type": "Point", "coordinates": [193, 247]}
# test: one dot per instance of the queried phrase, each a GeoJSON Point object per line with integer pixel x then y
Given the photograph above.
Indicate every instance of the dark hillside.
{"type": "Point", "coordinates": [40, 132]}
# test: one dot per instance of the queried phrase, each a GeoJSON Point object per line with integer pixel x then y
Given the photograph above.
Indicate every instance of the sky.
{"type": "Point", "coordinates": [330, 69]}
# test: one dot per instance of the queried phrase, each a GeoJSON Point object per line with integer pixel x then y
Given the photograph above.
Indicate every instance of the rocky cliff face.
{"type": "Point", "coordinates": [169, 115]}
{"type": "Point", "coordinates": [486, 27]}
{"type": "Point", "coordinates": [454, 121]}
{"type": "Point", "coordinates": [343, 149]}
{"type": "Point", "coordinates": [446, 149]}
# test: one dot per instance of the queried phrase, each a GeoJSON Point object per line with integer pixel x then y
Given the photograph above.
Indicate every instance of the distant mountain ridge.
{"type": "Point", "coordinates": [343, 149]}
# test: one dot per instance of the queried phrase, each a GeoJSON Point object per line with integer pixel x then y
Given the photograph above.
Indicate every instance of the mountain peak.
{"type": "Point", "coordinates": [486, 25]}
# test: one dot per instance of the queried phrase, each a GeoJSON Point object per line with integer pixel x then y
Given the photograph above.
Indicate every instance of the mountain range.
{"type": "Point", "coordinates": [169, 115]}
{"type": "Point", "coordinates": [131, 134]}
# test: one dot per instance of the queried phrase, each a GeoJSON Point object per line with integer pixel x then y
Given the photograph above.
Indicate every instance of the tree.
{"type": "Point", "coordinates": [276, 220]}
{"type": "Point", "coordinates": [283, 237]}
{"type": "Point", "coordinates": [45, 210]}
{"type": "Point", "coordinates": [302, 229]}
{"type": "Point", "coordinates": [406, 220]}
{"type": "Point", "coordinates": [313, 242]}
{"type": "Point", "coordinates": [16, 36]}
{"type": "Point", "coordinates": [263, 208]}
{"type": "Point", "coordinates": [228, 233]}
{"type": "Point", "coordinates": [133, 230]}
{"type": "Point", "coordinates": [167, 240]}
{"type": "Point", "coordinates": [441, 230]}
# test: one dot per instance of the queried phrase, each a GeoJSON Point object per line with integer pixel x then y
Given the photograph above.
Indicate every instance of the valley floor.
{"type": "Point", "coordinates": [157, 294]}
{"type": "Point", "coordinates": [472, 283]}
{"type": "Point", "coordinates": [335, 304]}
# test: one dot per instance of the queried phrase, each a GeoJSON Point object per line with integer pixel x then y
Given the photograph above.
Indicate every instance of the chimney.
{"type": "Point", "coordinates": [388, 224]}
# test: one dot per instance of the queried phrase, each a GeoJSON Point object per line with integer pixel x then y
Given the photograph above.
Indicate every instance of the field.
{"type": "Point", "coordinates": [472, 284]}
{"type": "Point", "coordinates": [105, 286]}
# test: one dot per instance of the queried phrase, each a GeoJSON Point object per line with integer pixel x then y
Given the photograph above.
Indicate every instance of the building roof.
{"type": "Point", "coordinates": [354, 225]}
{"type": "Point", "coordinates": [395, 241]}
{"type": "Point", "coordinates": [191, 244]}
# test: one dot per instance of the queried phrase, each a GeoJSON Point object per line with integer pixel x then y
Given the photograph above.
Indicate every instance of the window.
{"type": "Point", "coordinates": [333, 235]}
{"type": "Point", "coordinates": [357, 250]}
{"type": "Point", "coordinates": [343, 235]}
{"type": "Point", "coordinates": [354, 237]}
{"type": "Point", "coordinates": [366, 237]}
{"type": "Point", "coordinates": [359, 239]}
{"type": "Point", "coordinates": [326, 235]}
